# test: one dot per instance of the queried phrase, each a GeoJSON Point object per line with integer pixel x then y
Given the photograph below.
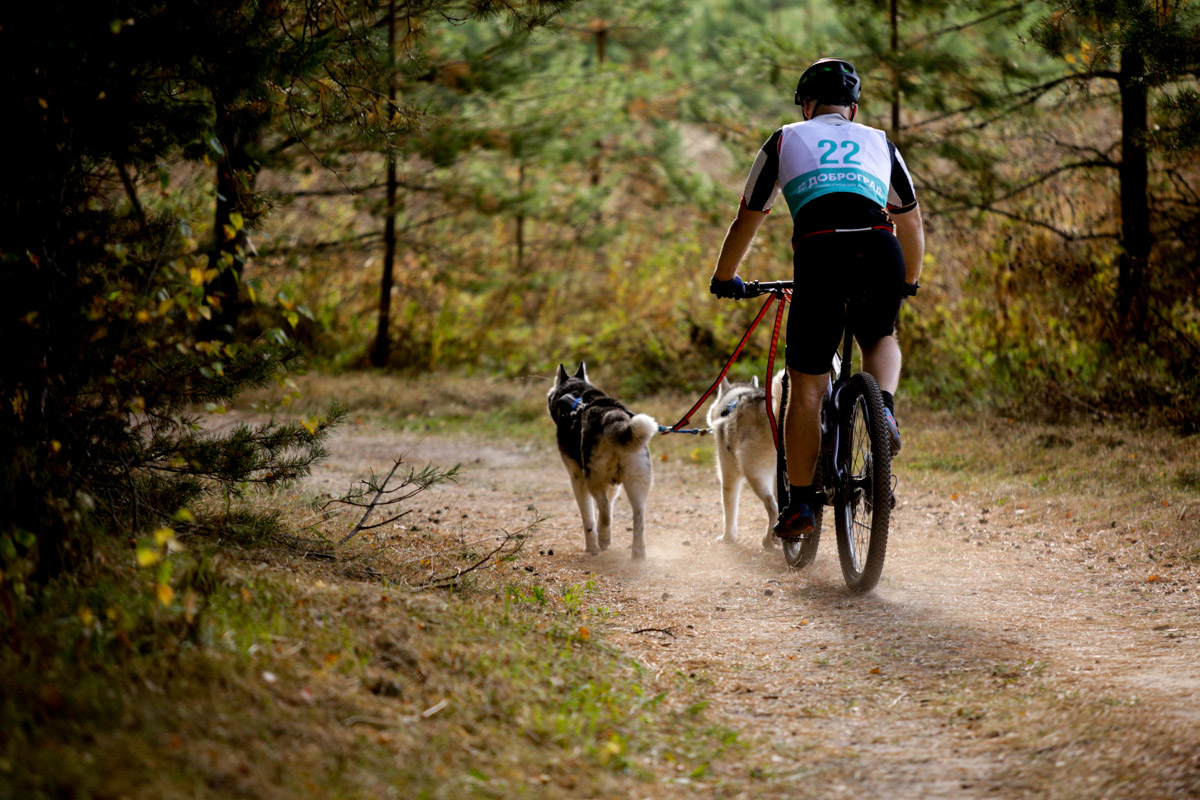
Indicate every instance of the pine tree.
{"type": "Point", "coordinates": [107, 292]}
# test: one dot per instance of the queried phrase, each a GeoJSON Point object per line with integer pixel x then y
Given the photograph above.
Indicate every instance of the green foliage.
{"type": "Point", "coordinates": [102, 420]}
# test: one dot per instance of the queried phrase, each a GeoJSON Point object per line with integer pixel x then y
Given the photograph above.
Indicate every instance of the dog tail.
{"type": "Point", "coordinates": [637, 431]}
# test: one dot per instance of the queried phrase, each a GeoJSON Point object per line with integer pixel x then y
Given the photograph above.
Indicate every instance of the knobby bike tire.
{"type": "Point", "coordinates": [863, 505]}
{"type": "Point", "coordinates": [798, 553]}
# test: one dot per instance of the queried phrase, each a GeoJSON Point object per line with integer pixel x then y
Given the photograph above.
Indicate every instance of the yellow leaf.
{"type": "Point", "coordinates": [197, 276]}
{"type": "Point", "coordinates": [163, 535]}
{"type": "Point", "coordinates": [147, 557]}
{"type": "Point", "coordinates": [55, 445]}
{"type": "Point", "coordinates": [311, 424]}
{"type": "Point", "coordinates": [237, 220]}
{"type": "Point", "coordinates": [183, 515]}
{"type": "Point", "coordinates": [86, 616]}
{"type": "Point", "coordinates": [875, 670]}
{"type": "Point", "coordinates": [1069, 58]}
{"type": "Point", "coordinates": [142, 315]}
{"type": "Point", "coordinates": [229, 231]}
{"type": "Point", "coordinates": [1154, 579]}
{"type": "Point", "coordinates": [584, 635]}
{"type": "Point", "coordinates": [137, 405]}
{"type": "Point", "coordinates": [165, 594]}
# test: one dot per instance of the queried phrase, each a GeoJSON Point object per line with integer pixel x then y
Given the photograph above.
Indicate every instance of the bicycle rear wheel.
{"type": "Point", "coordinates": [863, 504]}
{"type": "Point", "coordinates": [798, 553]}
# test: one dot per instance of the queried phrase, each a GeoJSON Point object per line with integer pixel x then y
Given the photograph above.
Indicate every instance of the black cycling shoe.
{"type": "Point", "coordinates": [795, 522]}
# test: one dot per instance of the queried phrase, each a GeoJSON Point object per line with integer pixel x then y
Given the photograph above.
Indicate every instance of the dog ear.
{"type": "Point", "coordinates": [754, 381]}
{"type": "Point", "coordinates": [724, 387]}
{"type": "Point", "coordinates": [561, 376]}
{"type": "Point", "coordinates": [582, 371]}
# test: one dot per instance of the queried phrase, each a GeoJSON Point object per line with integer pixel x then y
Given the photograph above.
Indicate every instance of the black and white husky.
{"type": "Point", "coordinates": [604, 447]}
{"type": "Point", "coordinates": [745, 452]}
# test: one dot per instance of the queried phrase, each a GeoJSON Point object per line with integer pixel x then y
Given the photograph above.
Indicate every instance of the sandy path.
{"type": "Point", "coordinates": [995, 659]}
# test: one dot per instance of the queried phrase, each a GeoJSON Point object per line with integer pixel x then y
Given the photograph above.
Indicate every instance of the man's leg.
{"type": "Point", "coordinates": [882, 361]}
{"type": "Point", "coordinates": [802, 425]}
{"type": "Point", "coordinates": [802, 435]}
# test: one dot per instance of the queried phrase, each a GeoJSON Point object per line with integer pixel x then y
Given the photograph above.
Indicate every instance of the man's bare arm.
{"type": "Point", "coordinates": [911, 233]}
{"type": "Point", "coordinates": [737, 242]}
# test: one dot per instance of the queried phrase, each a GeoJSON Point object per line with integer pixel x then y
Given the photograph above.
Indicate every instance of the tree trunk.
{"type": "Point", "coordinates": [382, 350]}
{"type": "Point", "coordinates": [894, 17]}
{"type": "Point", "coordinates": [1132, 270]}
{"type": "Point", "coordinates": [521, 217]}
{"type": "Point", "coordinates": [237, 175]}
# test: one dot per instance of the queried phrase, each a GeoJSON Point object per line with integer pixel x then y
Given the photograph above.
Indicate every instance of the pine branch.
{"type": "Point", "coordinates": [963, 26]}
{"type": "Point", "coordinates": [1037, 223]}
{"type": "Point", "coordinates": [1024, 97]}
{"type": "Point", "coordinates": [382, 497]}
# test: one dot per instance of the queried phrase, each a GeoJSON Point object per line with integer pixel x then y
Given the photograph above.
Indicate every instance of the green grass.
{"type": "Point", "coordinates": [270, 676]}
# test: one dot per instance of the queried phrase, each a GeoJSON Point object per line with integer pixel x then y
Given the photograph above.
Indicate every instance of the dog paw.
{"type": "Point", "coordinates": [726, 538]}
{"type": "Point", "coordinates": [770, 541]}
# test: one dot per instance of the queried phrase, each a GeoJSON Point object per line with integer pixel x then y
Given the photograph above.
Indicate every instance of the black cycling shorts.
{"type": "Point", "coordinates": [838, 276]}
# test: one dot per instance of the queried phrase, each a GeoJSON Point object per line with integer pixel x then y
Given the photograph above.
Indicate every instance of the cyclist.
{"type": "Point", "coordinates": [856, 224]}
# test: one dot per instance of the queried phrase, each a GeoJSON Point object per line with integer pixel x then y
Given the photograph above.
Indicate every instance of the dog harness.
{"type": "Point", "coordinates": [576, 402]}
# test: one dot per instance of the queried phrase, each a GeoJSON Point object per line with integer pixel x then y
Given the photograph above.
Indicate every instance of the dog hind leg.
{"type": "Point", "coordinates": [638, 479]}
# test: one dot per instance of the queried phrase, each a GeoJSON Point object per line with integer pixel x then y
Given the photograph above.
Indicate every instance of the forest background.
{"type": "Point", "coordinates": [200, 197]}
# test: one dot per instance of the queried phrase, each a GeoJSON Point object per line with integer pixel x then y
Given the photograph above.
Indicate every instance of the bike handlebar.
{"type": "Point", "coordinates": [758, 288]}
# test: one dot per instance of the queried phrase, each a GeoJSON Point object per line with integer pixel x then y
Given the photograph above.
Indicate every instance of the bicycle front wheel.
{"type": "Point", "coordinates": [863, 503]}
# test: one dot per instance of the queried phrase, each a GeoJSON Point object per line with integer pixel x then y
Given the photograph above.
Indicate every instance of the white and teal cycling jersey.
{"type": "Point", "coordinates": [824, 156]}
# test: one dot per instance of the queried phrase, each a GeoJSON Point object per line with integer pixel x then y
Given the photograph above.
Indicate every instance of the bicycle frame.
{"type": "Point", "coordinates": [835, 478]}
{"type": "Point", "coordinates": [853, 472]}
{"type": "Point", "coordinates": [830, 441]}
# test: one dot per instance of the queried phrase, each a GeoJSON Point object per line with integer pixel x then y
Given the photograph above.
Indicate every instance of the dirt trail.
{"type": "Point", "coordinates": [997, 658]}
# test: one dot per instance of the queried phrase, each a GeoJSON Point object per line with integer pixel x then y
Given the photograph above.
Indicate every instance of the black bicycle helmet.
{"type": "Point", "coordinates": [830, 81]}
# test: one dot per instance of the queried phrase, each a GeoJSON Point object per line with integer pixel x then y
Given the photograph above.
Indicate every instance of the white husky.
{"type": "Point", "coordinates": [745, 452]}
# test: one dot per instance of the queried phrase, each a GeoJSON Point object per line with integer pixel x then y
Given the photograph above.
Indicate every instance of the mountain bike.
{"type": "Point", "coordinates": [854, 468]}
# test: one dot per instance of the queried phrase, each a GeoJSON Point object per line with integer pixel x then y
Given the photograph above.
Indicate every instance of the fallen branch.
{"type": "Point", "coordinates": [445, 582]}
{"type": "Point", "coordinates": [667, 631]}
